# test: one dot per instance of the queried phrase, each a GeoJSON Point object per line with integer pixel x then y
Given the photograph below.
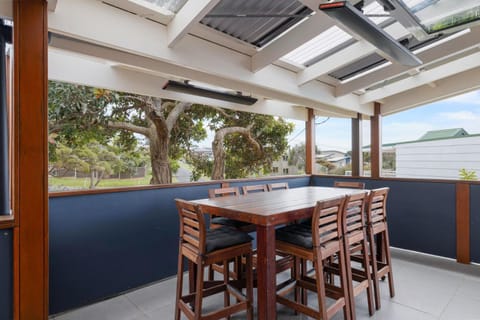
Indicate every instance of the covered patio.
{"type": "Point", "coordinates": [290, 58]}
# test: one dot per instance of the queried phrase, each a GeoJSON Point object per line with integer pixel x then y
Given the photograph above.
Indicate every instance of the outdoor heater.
{"type": "Point", "coordinates": [347, 15]}
{"type": "Point", "coordinates": [186, 87]}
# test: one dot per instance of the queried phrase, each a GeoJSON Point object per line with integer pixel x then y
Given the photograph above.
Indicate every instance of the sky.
{"type": "Point", "coordinates": [458, 112]}
{"type": "Point", "coordinates": [335, 133]}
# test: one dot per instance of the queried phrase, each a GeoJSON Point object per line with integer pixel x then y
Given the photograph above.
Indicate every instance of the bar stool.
{"type": "Point", "coordinates": [355, 238]}
{"type": "Point", "coordinates": [216, 222]}
{"type": "Point", "coordinates": [277, 186]}
{"type": "Point", "coordinates": [349, 184]}
{"type": "Point", "coordinates": [377, 227]}
{"type": "Point", "coordinates": [317, 243]}
{"type": "Point", "coordinates": [254, 188]}
{"type": "Point", "coordinates": [203, 248]}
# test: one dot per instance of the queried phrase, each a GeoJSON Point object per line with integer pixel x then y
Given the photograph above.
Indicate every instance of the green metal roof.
{"type": "Point", "coordinates": [444, 134]}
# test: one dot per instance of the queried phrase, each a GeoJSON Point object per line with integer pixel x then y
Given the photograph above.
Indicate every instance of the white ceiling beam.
{"type": "Point", "coordinates": [149, 67]}
{"type": "Point", "coordinates": [6, 9]}
{"type": "Point", "coordinates": [305, 31]}
{"type": "Point", "coordinates": [186, 18]}
{"type": "Point", "coordinates": [434, 53]}
{"type": "Point", "coordinates": [425, 77]}
{"type": "Point", "coordinates": [142, 43]}
{"type": "Point", "coordinates": [346, 56]}
{"type": "Point", "coordinates": [74, 68]}
{"type": "Point", "coordinates": [444, 88]}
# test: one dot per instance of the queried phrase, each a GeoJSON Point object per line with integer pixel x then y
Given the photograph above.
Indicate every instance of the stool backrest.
{"type": "Point", "coordinates": [255, 188]}
{"type": "Point", "coordinates": [377, 206]}
{"type": "Point", "coordinates": [349, 184]}
{"type": "Point", "coordinates": [277, 186]}
{"type": "Point", "coordinates": [327, 221]}
{"type": "Point", "coordinates": [192, 226]}
{"type": "Point", "coordinates": [224, 192]}
{"type": "Point", "coordinates": [353, 213]}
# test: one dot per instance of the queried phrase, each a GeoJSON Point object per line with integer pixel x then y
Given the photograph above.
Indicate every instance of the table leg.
{"type": "Point", "coordinates": [266, 276]}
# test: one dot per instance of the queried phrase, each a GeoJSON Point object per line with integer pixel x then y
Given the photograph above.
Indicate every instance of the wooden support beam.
{"type": "Point", "coordinates": [463, 222]}
{"type": "Point", "coordinates": [310, 142]}
{"type": "Point", "coordinates": [357, 155]}
{"type": "Point", "coordinates": [31, 160]}
{"type": "Point", "coordinates": [376, 142]}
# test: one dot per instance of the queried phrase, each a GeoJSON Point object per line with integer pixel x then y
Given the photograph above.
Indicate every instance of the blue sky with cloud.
{"type": "Point", "coordinates": [458, 112]}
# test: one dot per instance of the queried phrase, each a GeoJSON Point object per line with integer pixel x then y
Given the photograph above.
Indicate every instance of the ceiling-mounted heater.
{"type": "Point", "coordinates": [354, 20]}
{"type": "Point", "coordinates": [186, 87]}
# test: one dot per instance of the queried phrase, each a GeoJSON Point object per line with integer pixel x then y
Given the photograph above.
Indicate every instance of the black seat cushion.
{"type": "Point", "coordinates": [229, 222]}
{"type": "Point", "coordinates": [297, 234]}
{"type": "Point", "coordinates": [225, 237]}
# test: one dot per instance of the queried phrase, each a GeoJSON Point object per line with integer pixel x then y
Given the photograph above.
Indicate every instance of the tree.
{"type": "Point", "coordinates": [78, 114]}
{"type": "Point", "coordinates": [246, 143]}
{"type": "Point", "coordinates": [296, 156]}
{"type": "Point", "coordinates": [92, 158]}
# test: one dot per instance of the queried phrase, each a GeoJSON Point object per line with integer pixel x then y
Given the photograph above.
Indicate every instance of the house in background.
{"type": "Point", "coordinates": [439, 154]}
{"type": "Point", "coordinates": [281, 167]}
{"type": "Point", "coordinates": [336, 158]}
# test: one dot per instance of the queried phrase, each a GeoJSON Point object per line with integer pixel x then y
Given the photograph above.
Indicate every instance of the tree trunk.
{"type": "Point", "coordinates": [92, 179]}
{"type": "Point", "coordinates": [218, 172]}
{"type": "Point", "coordinates": [161, 172]}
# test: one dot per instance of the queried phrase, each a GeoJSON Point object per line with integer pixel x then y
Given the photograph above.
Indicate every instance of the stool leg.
{"type": "Point", "coordinates": [199, 291]}
{"type": "Point", "coordinates": [179, 284]}
{"type": "Point", "coordinates": [249, 289]}
{"type": "Point", "coordinates": [373, 262]}
{"type": "Point", "coordinates": [388, 258]}
{"type": "Point", "coordinates": [347, 313]}
{"type": "Point", "coordinates": [320, 284]}
{"type": "Point", "coordinates": [226, 276]}
{"type": "Point", "coordinates": [366, 267]}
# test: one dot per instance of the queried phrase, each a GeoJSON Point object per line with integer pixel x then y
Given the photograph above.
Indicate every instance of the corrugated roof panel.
{"type": "Point", "coordinates": [255, 21]}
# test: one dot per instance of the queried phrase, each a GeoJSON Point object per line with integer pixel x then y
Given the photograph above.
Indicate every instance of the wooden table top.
{"type": "Point", "coordinates": [272, 208]}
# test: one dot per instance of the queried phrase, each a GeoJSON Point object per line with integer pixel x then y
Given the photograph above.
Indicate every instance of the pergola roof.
{"type": "Point", "coordinates": [287, 53]}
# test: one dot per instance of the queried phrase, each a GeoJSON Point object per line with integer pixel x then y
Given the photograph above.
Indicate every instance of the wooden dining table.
{"type": "Point", "coordinates": [267, 210]}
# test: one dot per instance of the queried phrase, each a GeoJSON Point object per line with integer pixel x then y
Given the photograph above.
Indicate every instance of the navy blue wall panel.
{"type": "Point", "coordinates": [6, 274]}
{"type": "Point", "coordinates": [475, 223]}
{"type": "Point", "coordinates": [421, 215]}
{"type": "Point", "coordinates": [105, 244]}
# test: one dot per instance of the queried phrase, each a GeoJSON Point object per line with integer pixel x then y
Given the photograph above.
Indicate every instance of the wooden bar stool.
{"type": "Point", "coordinates": [277, 186]}
{"type": "Point", "coordinates": [349, 184]}
{"type": "Point", "coordinates": [355, 238]}
{"type": "Point", "coordinates": [316, 243]}
{"type": "Point", "coordinates": [216, 222]}
{"type": "Point", "coordinates": [377, 227]}
{"type": "Point", "coordinates": [203, 248]}
{"type": "Point", "coordinates": [254, 188]}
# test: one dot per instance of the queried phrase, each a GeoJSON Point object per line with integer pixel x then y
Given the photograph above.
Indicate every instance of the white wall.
{"type": "Point", "coordinates": [441, 159]}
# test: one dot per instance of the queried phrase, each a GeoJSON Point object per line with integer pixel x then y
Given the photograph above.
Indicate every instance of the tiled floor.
{"type": "Point", "coordinates": [427, 288]}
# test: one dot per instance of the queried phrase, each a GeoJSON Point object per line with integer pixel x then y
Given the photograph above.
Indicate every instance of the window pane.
{"type": "Point", "coordinates": [103, 139]}
{"type": "Point", "coordinates": [333, 146]}
{"type": "Point", "coordinates": [437, 141]}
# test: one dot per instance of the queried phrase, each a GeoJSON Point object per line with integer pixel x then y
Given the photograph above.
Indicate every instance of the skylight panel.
{"type": "Point", "coordinates": [322, 43]}
{"type": "Point", "coordinates": [330, 39]}
{"type": "Point", "coordinates": [170, 5]}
